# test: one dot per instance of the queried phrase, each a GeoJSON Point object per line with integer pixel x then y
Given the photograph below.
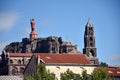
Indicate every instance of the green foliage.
{"type": "Point", "coordinates": [41, 71]}
{"type": "Point", "coordinates": [26, 77]}
{"type": "Point", "coordinates": [103, 64]}
{"type": "Point", "coordinates": [69, 75]}
{"type": "Point", "coordinates": [100, 74]}
{"type": "Point", "coordinates": [86, 76]}
{"type": "Point", "coordinates": [41, 74]}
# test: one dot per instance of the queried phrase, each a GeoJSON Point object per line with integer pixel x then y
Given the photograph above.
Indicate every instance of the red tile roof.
{"type": "Point", "coordinates": [20, 54]}
{"type": "Point", "coordinates": [113, 71]}
{"type": "Point", "coordinates": [64, 58]}
{"type": "Point", "coordinates": [57, 58]}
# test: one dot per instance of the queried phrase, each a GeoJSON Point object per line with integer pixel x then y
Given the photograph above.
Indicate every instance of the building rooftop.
{"type": "Point", "coordinates": [56, 58]}
{"type": "Point", "coordinates": [113, 71]}
{"type": "Point", "coordinates": [64, 58]}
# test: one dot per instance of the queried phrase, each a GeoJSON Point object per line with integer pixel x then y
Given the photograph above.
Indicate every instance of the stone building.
{"type": "Point", "coordinates": [17, 63]}
{"type": "Point", "coordinates": [60, 63]}
{"type": "Point", "coordinates": [68, 47]}
{"type": "Point", "coordinates": [13, 64]}
{"type": "Point", "coordinates": [89, 43]}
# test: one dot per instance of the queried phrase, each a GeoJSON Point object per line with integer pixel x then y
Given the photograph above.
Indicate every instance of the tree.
{"type": "Point", "coordinates": [103, 64]}
{"type": "Point", "coordinates": [100, 74]}
{"type": "Point", "coordinates": [26, 77]}
{"type": "Point", "coordinates": [69, 75]}
{"type": "Point", "coordinates": [41, 74]}
{"type": "Point", "coordinates": [86, 76]}
{"type": "Point", "coordinates": [44, 74]}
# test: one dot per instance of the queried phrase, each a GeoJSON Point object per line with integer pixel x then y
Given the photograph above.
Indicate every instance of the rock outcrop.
{"type": "Point", "coordinates": [50, 44]}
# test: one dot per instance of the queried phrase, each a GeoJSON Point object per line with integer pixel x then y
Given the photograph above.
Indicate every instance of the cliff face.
{"type": "Point", "coordinates": [39, 45]}
{"type": "Point", "coordinates": [50, 44]}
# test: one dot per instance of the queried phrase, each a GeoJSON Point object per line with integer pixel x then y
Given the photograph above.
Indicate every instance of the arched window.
{"type": "Point", "coordinates": [91, 39]}
{"type": "Point", "coordinates": [14, 71]}
{"type": "Point", "coordinates": [92, 52]}
{"type": "Point", "coordinates": [21, 70]}
{"type": "Point", "coordinates": [11, 61]}
{"type": "Point", "coordinates": [19, 61]}
{"type": "Point", "coordinates": [91, 44]}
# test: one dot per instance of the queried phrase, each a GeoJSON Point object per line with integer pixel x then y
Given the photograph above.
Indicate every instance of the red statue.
{"type": "Point", "coordinates": [33, 34]}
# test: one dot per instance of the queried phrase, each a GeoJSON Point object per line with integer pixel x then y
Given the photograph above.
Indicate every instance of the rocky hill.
{"type": "Point", "coordinates": [50, 44]}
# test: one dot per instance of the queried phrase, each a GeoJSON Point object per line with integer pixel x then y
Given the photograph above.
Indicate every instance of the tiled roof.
{"type": "Point", "coordinates": [64, 58]}
{"type": "Point", "coordinates": [57, 58]}
{"type": "Point", "coordinates": [113, 71]}
{"type": "Point", "coordinates": [20, 54]}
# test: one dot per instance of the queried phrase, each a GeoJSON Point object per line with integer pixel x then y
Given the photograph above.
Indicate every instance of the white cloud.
{"type": "Point", "coordinates": [7, 20]}
{"type": "Point", "coordinates": [113, 57]}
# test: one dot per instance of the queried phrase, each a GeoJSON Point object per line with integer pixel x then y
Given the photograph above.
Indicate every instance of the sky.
{"type": "Point", "coordinates": [66, 19]}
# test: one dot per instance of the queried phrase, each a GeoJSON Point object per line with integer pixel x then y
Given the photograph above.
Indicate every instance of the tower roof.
{"type": "Point", "coordinates": [89, 24]}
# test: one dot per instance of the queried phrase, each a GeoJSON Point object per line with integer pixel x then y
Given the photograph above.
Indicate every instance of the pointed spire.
{"type": "Point", "coordinates": [89, 24]}
{"type": "Point", "coordinates": [33, 33]}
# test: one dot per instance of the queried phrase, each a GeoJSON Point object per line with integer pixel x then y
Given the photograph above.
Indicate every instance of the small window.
{"type": "Point", "coordinates": [14, 71]}
{"type": "Point", "coordinates": [58, 67]}
{"type": "Point", "coordinates": [91, 44]}
{"type": "Point", "coordinates": [91, 39]}
{"type": "Point", "coordinates": [92, 52]}
{"type": "Point", "coordinates": [19, 61]}
{"type": "Point", "coordinates": [21, 70]}
{"type": "Point", "coordinates": [11, 61]}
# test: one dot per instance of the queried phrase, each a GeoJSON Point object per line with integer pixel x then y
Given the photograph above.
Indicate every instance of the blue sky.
{"type": "Point", "coordinates": [65, 18]}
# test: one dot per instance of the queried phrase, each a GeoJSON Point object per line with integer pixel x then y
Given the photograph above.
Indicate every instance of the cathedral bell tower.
{"type": "Point", "coordinates": [33, 33]}
{"type": "Point", "coordinates": [89, 43]}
